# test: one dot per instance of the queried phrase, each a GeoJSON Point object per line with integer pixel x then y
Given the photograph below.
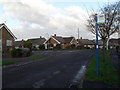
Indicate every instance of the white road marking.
{"type": "Point", "coordinates": [79, 75]}
{"type": "Point", "coordinates": [24, 63]}
{"type": "Point", "coordinates": [56, 72]}
{"type": "Point", "coordinates": [39, 83]}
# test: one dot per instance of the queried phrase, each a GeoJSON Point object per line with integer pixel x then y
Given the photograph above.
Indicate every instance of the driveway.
{"type": "Point", "coordinates": [59, 70]}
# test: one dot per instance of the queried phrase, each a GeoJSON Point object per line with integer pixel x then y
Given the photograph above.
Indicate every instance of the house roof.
{"type": "Point", "coordinates": [59, 39]}
{"type": "Point", "coordinates": [114, 40]}
{"type": "Point", "coordinates": [68, 39]}
{"type": "Point", "coordinates": [63, 39]}
{"type": "Point", "coordinates": [37, 41]}
{"type": "Point", "coordinates": [85, 42]}
{"type": "Point", "coordinates": [100, 42]}
{"type": "Point", "coordinates": [18, 43]}
{"type": "Point", "coordinates": [3, 25]}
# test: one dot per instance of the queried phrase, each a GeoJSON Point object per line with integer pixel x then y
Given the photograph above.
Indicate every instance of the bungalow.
{"type": "Point", "coordinates": [19, 44]}
{"type": "Point", "coordinates": [7, 39]}
{"type": "Point", "coordinates": [100, 43]}
{"type": "Point", "coordinates": [37, 41]}
{"type": "Point", "coordinates": [63, 42]}
{"type": "Point", "coordinates": [114, 42]}
{"type": "Point", "coordinates": [85, 43]}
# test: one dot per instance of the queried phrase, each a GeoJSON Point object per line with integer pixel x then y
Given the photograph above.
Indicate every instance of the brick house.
{"type": "Point", "coordinates": [64, 42]}
{"type": "Point", "coordinates": [7, 39]}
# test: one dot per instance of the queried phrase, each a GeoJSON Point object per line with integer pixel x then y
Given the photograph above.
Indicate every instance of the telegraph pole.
{"type": "Point", "coordinates": [78, 33]}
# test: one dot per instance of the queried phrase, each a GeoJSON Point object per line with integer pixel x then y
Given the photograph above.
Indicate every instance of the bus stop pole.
{"type": "Point", "coordinates": [96, 26]}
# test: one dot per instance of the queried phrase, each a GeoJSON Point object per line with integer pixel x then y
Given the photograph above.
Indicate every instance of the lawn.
{"type": "Point", "coordinates": [3, 63]}
{"type": "Point", "coordinates": [34, 58]}
{"type": "Point", "coordinates": [107, 72]}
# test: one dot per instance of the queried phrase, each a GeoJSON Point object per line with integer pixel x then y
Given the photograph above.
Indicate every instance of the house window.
{"type": "Point", "coordinates": [8, 42]}
{"type": "Point", "coordinates": [89, 46]}
{"type": "Point", "coordinates": [54, 45]}
{"type": "Point", "coordinates": [85, 45]}
{"type": "Point", "coordinates": [37, 46]}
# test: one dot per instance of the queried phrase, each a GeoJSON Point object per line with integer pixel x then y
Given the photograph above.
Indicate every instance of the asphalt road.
{"type": "Point", "coordinates": [56, 71]}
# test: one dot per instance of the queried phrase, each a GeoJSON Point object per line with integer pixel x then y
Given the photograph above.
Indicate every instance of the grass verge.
{"type": "Point", "coordinates": [3, 63]}
{"type": "Point", "coordinates": [34, 58]}
{"type": "Point", "coordinates": [108, 74]}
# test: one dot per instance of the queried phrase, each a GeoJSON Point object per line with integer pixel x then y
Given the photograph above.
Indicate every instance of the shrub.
{"type": "Point", "coordinates": [34, 48]}
{"type": "Point", "coordinates": [28, 44]}
{"type": "Point", "coordinates": [58, 46]}
{"type": "Point", "coordinates": [20, 52]}
{"type": "Point", "coordinates": [73, 46]}
{"type": "Point", "coordinates": [42, 47]}
{"type": "Point", "coordinates": [117, 49]}
{"type": "Point", "coordinates": [17, 53]}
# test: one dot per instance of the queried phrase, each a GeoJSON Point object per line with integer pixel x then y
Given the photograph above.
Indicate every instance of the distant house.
{"type": "Point", "coordinates": [19, 44]}
{"type": "Point", "coordinates": [64, 42]}
{"type": "Point", "coordinates": [100, 44]}
{"type": "Point", "coordinates": [7, 39]}
{"type": "Point", "coordinates": [85, 43]}
{"type": "Point", "coordinates": [37, 41]}
{"type": "Point", "coordinates": [114, 42]}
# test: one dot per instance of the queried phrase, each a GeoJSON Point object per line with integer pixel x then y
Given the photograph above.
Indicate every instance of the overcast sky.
{"type": "Point", "coordinates": [35, 18]}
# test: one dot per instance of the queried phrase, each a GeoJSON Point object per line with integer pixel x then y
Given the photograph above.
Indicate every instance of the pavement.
{"type": "Point", "coordinates": [60, 69]}
{"type": "Point", "coordinates": [115, 59]}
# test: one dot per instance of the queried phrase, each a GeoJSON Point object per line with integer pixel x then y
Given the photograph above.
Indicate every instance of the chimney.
{"type": "Point", "coordinates": [81, 38]}
{"type": "Point", "coordinates": [54, 34]}
{"type": "Point", "coordinates": [40, 37]}
{"type": "Point", "coordinates": [22, 40]}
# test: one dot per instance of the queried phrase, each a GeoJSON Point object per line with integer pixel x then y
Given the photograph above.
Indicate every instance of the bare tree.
{"type": "Point", "coordinates": [111, 25]}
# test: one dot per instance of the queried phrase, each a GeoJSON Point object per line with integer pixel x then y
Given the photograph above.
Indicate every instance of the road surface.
{"type": "Point", "coordinates": [56, 71]}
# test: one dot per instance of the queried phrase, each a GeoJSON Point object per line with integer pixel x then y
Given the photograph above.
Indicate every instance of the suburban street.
{"type": "Point", "coordinates": [58, 70]}
{"type": "Point", "coordinates": [59, 44]}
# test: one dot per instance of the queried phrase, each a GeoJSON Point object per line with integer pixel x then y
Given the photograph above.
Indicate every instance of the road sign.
{"type": "Point", "coordinates": [101, 18]}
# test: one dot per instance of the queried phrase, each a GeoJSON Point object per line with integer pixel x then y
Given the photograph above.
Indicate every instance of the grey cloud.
{"type": "Point", "coordinates": [39, 18]}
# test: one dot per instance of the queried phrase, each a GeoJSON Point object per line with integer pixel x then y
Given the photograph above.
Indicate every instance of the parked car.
{"type": "Point", "coordinates": [20, 52]}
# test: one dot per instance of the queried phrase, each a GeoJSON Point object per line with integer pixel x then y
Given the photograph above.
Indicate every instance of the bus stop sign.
{"type": "Point", "coordinates": [101, 18]}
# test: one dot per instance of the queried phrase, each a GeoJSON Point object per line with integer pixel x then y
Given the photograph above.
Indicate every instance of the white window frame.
{"type": "Point", "coordinates": [9, 43]}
